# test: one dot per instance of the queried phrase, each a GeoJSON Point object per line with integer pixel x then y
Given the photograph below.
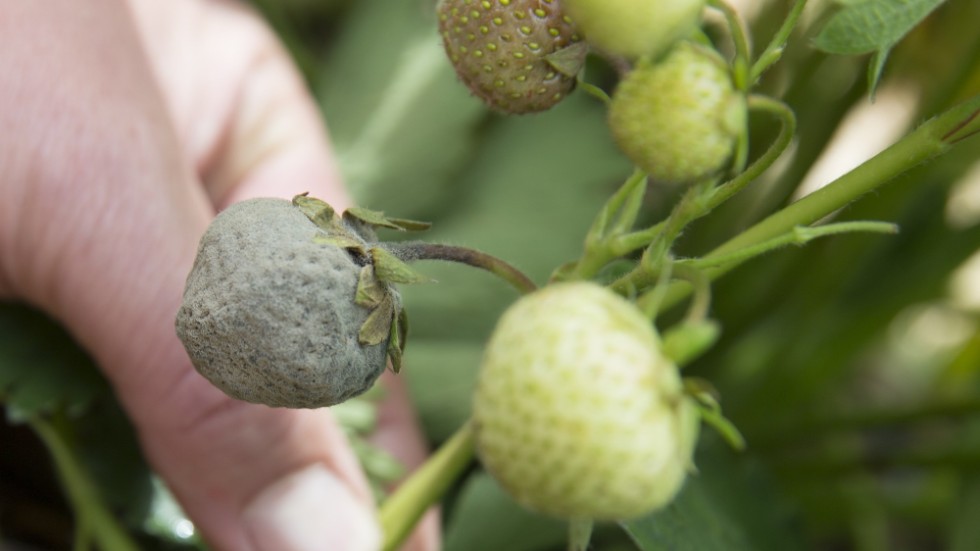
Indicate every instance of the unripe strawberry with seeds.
{"type": "Point", "coordinates": [577, 413]}
{"type": "Point", "coordinates": [635, 28]}
{"type": "Point", "coordinates": [678, 119]}
{"type": "Point", "coordinates": [512, 54]}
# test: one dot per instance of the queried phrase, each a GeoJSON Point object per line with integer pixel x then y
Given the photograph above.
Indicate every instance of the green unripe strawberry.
{"type": "Point", "coordinates": [678, 119]}
{"type": "Point", "coordinates": [577, 413]}
{"type": "Point", "coordinates": [635, 28]}
{"type": "Point", "coordinates": [500, 50]}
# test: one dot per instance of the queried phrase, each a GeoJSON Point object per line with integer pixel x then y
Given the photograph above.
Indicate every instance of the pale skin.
{"type": "Point", "coordinates": [124, 128]}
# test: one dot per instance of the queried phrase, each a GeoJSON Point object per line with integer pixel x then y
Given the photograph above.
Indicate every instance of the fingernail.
{"type": "Point", "coordinates": [311, 510]}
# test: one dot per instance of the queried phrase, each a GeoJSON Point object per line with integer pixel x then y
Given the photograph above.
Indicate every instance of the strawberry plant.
{"type": "Point", "coordinates": [682, 246]}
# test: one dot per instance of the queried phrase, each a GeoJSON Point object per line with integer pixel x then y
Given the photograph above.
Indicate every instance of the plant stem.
{"type": "Point", "coordinates": [402, 510]}
{"type": "Point", "coordinates": [579, 534]}
{"type": "Point", "coordinates": [930, 140]}
{"type": "Point", "coordinates": [799, 235]}
{"type": "Point", "coordinates": [419, 250]}
{"type": "Point", "coordinates": [743, 51]}
{"type": "Point", "coordinates": [774, 50]}
{"type": "Point", "coordinates": [616, 217]}
{"type": "Point", "coordinates": [91, 513]}
{"type": "Point", "coordinates": [594, 91]}
{"type": "Point", "coordinates": [787, 130]}
{"type": "Point", "coordinates": [627, 243]}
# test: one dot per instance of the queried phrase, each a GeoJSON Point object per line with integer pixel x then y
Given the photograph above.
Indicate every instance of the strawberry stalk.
{"type": "Point", "coordinates": [743, 50]}
{"type": "Point", "coordinates": [425, 487]}
{"type": "Point", "coordinates": [774, 50]}
{"type": "Point", "coordinates": [932, 139]}
{"type": "Point", "coordinates": [579, 534]}
{"type": "Point", "coordinates": [419, 250]}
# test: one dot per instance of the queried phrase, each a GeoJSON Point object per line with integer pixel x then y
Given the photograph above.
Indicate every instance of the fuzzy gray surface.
{"type": "Point", "coordinates": [268, 315]}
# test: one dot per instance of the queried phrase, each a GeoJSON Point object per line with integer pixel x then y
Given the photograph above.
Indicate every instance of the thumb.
{"type": "Point", "coordinates": [111, 262]}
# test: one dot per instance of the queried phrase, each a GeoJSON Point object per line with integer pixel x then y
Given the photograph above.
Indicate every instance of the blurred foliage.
{"type": "Point", "coordinates": [862, 432]}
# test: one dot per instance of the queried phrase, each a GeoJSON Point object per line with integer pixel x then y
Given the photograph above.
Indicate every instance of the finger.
{"type": "Point", "coordinates": [239, 106]}
{"type": "Point", "coordinates": [102, 230]}
{"type": "Point", "coordinates": [271, 142]}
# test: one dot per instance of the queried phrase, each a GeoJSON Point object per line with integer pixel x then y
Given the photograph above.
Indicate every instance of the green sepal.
{"type": "Point", "coordinates": [410, 225]}
{"type": "Point", "coordinates": [399, 336]}
{"type": "Point", "coordinates": [705, 398]}
{"type": "Point", "coordinates": [569, 60]}
{"type": "Point", "coordinates": [370, 291]}
{"type": "Point", "coordinates": [688, 340]}
{"type": "Point", "coordinates": [342, 240]}
{"type": "Point", "coordinates": [378, 219]}
{"type": "Point", "coordinates": [377, 326]}
{"type": "Point", "coordinates": [318, 211]}
{"type": "Point", "coordinates": [389, 268]}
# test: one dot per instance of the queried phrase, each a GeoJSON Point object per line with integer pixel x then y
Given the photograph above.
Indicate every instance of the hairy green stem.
{"type": "Point", "coordinates": [617, 216]}
{"type": "Point", "coordinates": [933, 138]}
{"type": "Point", "coordinates": [627, 243]}
{"type": "Point", "coordinates": [92, 516]}
{"type": "Point", "coordinates": [787, 130]}
{"type": "Point", "coordinates": [425, 487]}
{"type": "Point", "coordinates": [594, 91]}
{"type": "Point", "coordinates": [799, 235]}
{"type": "Point", "coordinates": [419, 250]}
{"type": "Point", "coordinates": [649, 302]}
{"type": "Point", "coordinates": [743, 50]}
{"type": "Point", "coordinates": [579, 534]}
{"type": "Point", "coordinates": [774, 50]}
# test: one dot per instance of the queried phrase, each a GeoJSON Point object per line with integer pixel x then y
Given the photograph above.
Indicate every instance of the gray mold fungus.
{"type": "Point", "coordinates": [269, 315]}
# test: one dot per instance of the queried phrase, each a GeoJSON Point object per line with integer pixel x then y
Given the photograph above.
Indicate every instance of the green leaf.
{"type": "Point", "coordinates": [685, 342]}
{"type": "Point", "coordinates": [389, 268]}
{"type": "Point", "coordinates": [396, 344]}
{"type": "Point", "coordinates": [41, 368]}
{"type": "Point", "coordinates": [377, 326]}
{"type": "Point", "coordinates": [370, 291]}
{"type": "Point", "coordinates": [487, 519]}
{"type": "Point", "coordinates": [872, 26]}
{"type": "Point", "coordinates": [106, 444]}
{"type": "Point", "coordinates": [377, 218]}
{"type": "Point", "coordinates": [570, 60]}
{"type": "Point", "coordinates": [730, 505]}
{"type": "Point", "coordinates": [341, 240]}
{"type": "Point", "coordinates": [317, 210]}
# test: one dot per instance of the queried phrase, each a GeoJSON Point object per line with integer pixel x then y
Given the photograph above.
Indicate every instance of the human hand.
{"type": "Point", "coordinates": [124, 127]}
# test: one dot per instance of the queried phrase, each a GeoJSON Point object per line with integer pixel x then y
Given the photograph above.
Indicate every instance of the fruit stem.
{"type": "Point", "coordinates": [617, 245]}
{"type": "Point", "coordinates": [402, 510]}
{"type": "Point", "coordinates": [787, 130]}
{"type": "Point", "coordinates": [774, 50]}
{"type": "Point", "coordinates": [81, 491]}
{"type": "Point", "coordinates": [420, 250]}
{"type": "Point", "coordinates": [932, 139]}
{"type": "Point", "coordinates": [615, 218]}
{"type": "Point", "coordinates": [579, 534]}
{"type": "Point", "coordinates": [799, 235]}
{"type": "Point", "coordinates": [594, 91]}
{"type": "Point", "coordinates": [698, 311]}
{"type": "Point", "coordinates": [743, 51]}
